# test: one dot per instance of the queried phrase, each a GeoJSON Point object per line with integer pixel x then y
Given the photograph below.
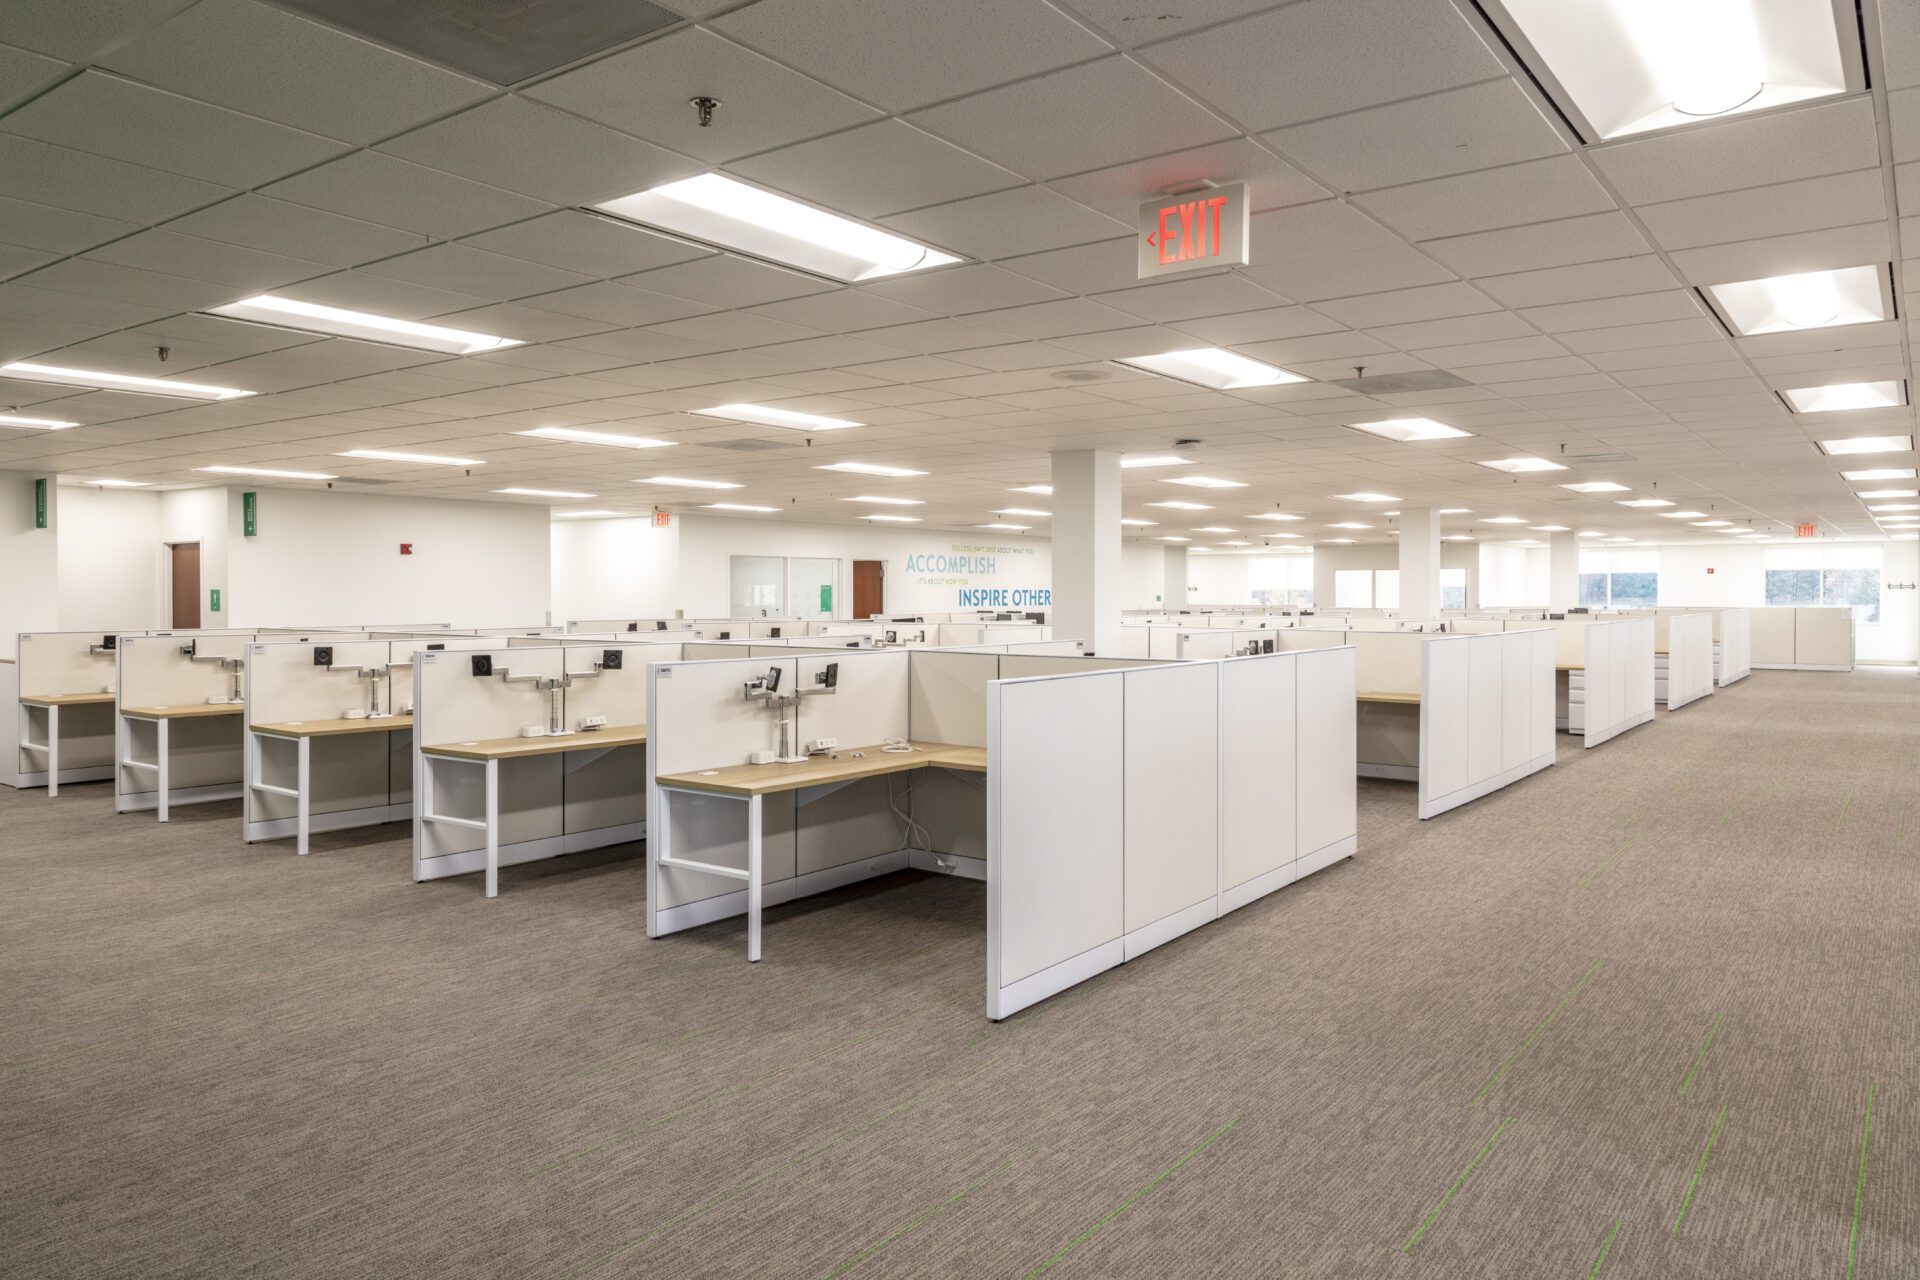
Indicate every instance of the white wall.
{"type": "Point", "coordinates": [1897, 638]}
{"type": "Point", "coordinates": [1143, 571]}
{"type": "Point", "coordinates": [615, 569]}
{"type": "Point", "coordinates": [29, 560]}
{"type": "Point", "coordinates": [322, 557]}
{"type": "Point", "coordinates": [110, 559]}
{"type": "Point", "coordinates": [993, 562]}
{"type": "Point", "coordinates": [1453, 555]}
{"type": "Point", "coordinates": [1728, 577]}
{"type": "Point", "coordinates": [202, 516]}
{"type": "Point", "coordinates": [1219, 579]}
{"type": "Point", "coordinates": [1511, 576]}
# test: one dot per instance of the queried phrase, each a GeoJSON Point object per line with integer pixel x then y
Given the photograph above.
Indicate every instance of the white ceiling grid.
{"type": "Point", "coordinates": [1416, 209]}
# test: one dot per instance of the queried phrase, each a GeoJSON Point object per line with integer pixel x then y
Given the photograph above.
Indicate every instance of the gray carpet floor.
{"type": "Point", "coordinates": [1651, 1013]}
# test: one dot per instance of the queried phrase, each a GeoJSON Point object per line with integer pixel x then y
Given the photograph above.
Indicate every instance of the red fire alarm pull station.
{"type": "Point", "coordinates": [1194, 231]}
{"type": "Point", "coordinates": [406, 548]}
{"type": "Point", "coordinates": [1709, 571]}
{"type": "Point", "coordinates": [662, 519]}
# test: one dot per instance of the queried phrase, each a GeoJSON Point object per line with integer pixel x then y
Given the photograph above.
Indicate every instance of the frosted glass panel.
{"type": "Point", "coordinates": [757, 586]}
{"type": "Point", "coordinates": [814, 588]}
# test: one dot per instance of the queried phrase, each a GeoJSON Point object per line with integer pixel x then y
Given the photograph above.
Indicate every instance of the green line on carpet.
{"type": "Point", "coordinates": [1860, 1184]}
{"type": "Point", "coordinates": [738, 1089]}
{"type": "Point", "coordinates": [1687, 1201]}
{"type": "Point", "coordinates": [1608, 860]}
{"type": "Point", "coordinates": [845, 1135]}
{"type": "Point", "coordinates": [1735, 805]}
{"type": "Point", "coordinates": [1701, 1056]}
{"type": "Point", "coordinates": [1606, 1247]}
{"type": "Point", "coordinates": [928, 1216]}
{"type": "Point", "coordinates": [1535, 1033]}
{"type": "Point", "coordinates": [1455, 1188]}
{"type": "Point", "coordinates": [1133, 1199]}
{"type": "Point", "coordinates": [1845, 805]}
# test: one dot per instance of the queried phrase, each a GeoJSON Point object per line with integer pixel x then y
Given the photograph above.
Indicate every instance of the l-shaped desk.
{"type": "Point", "coordinates": [302, 733]}
{"type": "Point", "coordinates": [751, 782]}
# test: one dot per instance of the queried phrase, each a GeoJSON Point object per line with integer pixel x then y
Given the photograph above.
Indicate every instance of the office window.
{"type": "Point", "coordinates": [1386, 588]}
{"type": "Point", "coordinates": [1281, 581]}
{"type": "Point", "coordinates": [1626, 578]}
{"type": "Point", "coordinates": [1353, 588]}
{"type": "Point", "coordinates": [1453, 588]}
{"type": "Point", "coordinates": [1826, 576]}
{"type": "Point", "coordinates": [758, 586]}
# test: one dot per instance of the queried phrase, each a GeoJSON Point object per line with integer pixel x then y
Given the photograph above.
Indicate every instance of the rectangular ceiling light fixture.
{"type": "Point", "coordinates": [1623, 67]}
{"type": "Point", "coordinates": [580, 435]}
{"type": "Point", "coordinates": [1595, 486]}
{"type": "Point", "coordinates": [886, 502]}
{"type": "Point", "coordinates": [1520, 466]}
{"type": "Point", "coordinates": [1211, 367]}
{"type": "Point", "coordinates": [1644, 502]}
{"type": "Point", "coordinates": [683, 482]}
{"type": "Point", "coordinates": [1024, 511]}
{"type": "Point", "coordinates": [1349, 524]}
{"type": "Point", "coordinates": [1366, 497]}
{"type": "Point", "coordinates": [117, 484]}
{"type": "Point", "coordinates": [1712, 524]}
{"type": "Point", "coordinates": [1181, 506]}
{"type": "Point", "coordinates": [1682, 515]}
{"type": "Point", "coordinates": [1895, 506]}
{"type": "Point", "coordinates": [1275, 515]}
{"type": "Point", "coordinates": [1011, 528]}
{"type": "Point", "coordinates": [725, 212]}
{"type": "Point", "coordinates": [34, 424]}
{"type": "Point", "coordinates": [546, 493]}
{"type": "Point", "coordinates": [766, 416]}
{"type": "Point", "coordinates": [582, 515]}
{"type": "Point", "coordinates": [1505, 520]}
{"type": "Point", "coordinates": [29, 371]}
{"type": "Point", "coordinates": [895, 519]}
{"type": "Point", "coordinates": [1880, 473]}
{"type": "Point", "coordinates": [338, 322]}
{"type": "Point", "coordinates": [396, 455]}
{"type": "Point", "coordinates": [1214, 528]}
{"type": "Point", "coordinates": [1866, 444]}
{"type": "Point", "coordinates": [1847, 395]}
{"type": "Point", "coordinates": [1143, 524]}
{"type": "Point", "coordinates": [270, 473]}
{"type": "Point", "coordinates": [1204, 482]}
{"type": "Point", "coordinates": [1044, 490]}
{"type": "Point", "coordinates": [1408, 430]}
{"type": "Point", "coordinates": [1155, 460]}
{"type": "Point", "coordinates": [737, 506]}
{"type": "Point", "coordinates": [1807, 300]}
{"type": "Point", "coordinates": [1887, 493]}
{"type": "Point", "coordinates": [870, 469]}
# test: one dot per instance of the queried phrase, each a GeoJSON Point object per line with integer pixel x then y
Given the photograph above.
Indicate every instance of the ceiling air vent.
{"type": "Point", "coordinates": [505, 41]}
{"type": "Point", "coordinates": [1386, 384]}
{"type": "Point", "coordinates": [1591, 459]}
{"type": "Point", "coordinates": [747, 445]}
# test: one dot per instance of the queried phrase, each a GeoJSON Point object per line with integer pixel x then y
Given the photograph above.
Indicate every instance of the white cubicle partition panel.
{"type": "Point", "coordinates": [157, 673]}
{"type": "Point", "coordinates": [1211, 643]}
{"type": "Point", "coordinates": [1772, 637]}
{"type": "Point", "coordinates": [352, 780]}
{"type": "Point", "coordinates": [1486, 714]}
{"type": "Point", "coordinates": [1136, 639]}
{"type": "Point", "coordinates": [1618, 677]}
{"type": "Point", "coordinates": [1732, 645]}
{"type": "Point", "coordinates": [1823, 638]}
{"type": "Point", "coordinates": [59, 665]}
{"type": "Point", "coordinates": [1688, 660]}
{"type": "Point", "coordinates": [1134, 861]}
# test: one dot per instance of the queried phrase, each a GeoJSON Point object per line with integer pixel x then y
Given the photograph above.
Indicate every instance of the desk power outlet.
{"type": "Point", "coordinates": [825, 744]}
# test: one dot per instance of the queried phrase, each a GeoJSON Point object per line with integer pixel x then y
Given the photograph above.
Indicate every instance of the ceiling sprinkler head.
{"type": "Point", "coordinates": [705, 106]}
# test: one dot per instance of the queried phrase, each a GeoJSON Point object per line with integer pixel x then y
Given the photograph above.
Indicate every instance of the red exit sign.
{"type": "Point", "coordinates": [1194, 231]}
{"type": "Point", "coordinates": [1806, 530]}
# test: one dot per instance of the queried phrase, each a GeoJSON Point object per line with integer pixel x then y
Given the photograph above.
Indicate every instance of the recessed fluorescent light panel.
{"type": "Point", "coordinates": [737, 506]}
{"type": "Point", "coordinates": [1866, 444]}
{"type": "Point", "coordinates": [683, 482]}
{"type": "Point", "coordinates": [1154, 460]}
{"type": "Point", "coordinates": [546, 493]}
{"type": "Point", "coordinates": [1171, 537]}
{"type": "Point", "coordinates": [311, 317]}
{"type": "Point", "coordinates": [895, 519]}
{"type": "Point", "coordinates": [1712, 524]}
{"type": "Point", "coordinates": [1847, 395]}
{"type": "Point", "coordinates": [1682, 515]}
{"type": "Point", "coordinates": [1182, 506]}
{"type": "Point", "coordinates": [1349, 524]}
{"type": "Point", "coordinates": [395, 455]}
{"type": "Point", "coordinates": [1011, 528]}
{"type": "Point", "coordinates": [1044, 490]}
{"type": "Point", "coordinates": [1275, 515]}
{"type": "Point", "coordinates": [732, 214]}
{"type": "Point", "coordinates": [29, 371]}
{"type": "Point", "coordinates": [887, 502]}
{"type": "Point", "coordinates": [1808, 300]}
{"type": "Point", "coordinates": [1879, 473]}
{"type": "Point", "coordinates": [870, 469]}
{"type": "Point", "coordinates": [1629, 66]}
{"type": "Point", "coordinates": [1644, 502]}
{"type": "Point", "coordinates": [1888, 493]}
{"type": "Point", "coordinates": [1214, 528]}
{"type": "Point", "coordinates": [582, 515]}
{"type": "Point", "coordinates": [1212, 367]}
{"type": "Point", "coordinates": [1895, 506]}
{"type": "Point", "coordinates": [1204, 482]}
{"type": "Point", "coordinates": [1595, 486]}
{"type": "Point", "coordinates": [1339, 542]}
{"type": "Point", "coordinates": [1408, 430]}
{"type": "Point", "coordinates": [270, 473]}
{"type": "Point", "coordinates": [1550, 528]}
{"type": "Point", "coordinates": [34, 424]}
{"type": "Point", "coordinates": [767, 416]}
{"type": "Point", "coordinates": [1024, 511]}
{"type": "Point", "coordinates": [1506, 520]}
{"type": "Point", "coordinates": [116, 484]}
{"type": "Point", "coordinates": [1366, 497]}
{"type": "Point", "coordinates": [1518, 466]}
{"type": "Point", "coordinates": [580, 435]}
{"type": "Point", "coordinates": [1140, 523]}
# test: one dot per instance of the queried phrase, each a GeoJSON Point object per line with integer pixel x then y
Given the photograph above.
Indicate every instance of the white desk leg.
{"type": "Point", "coordinates": [160, 737]}
{"type": "Point", "coordinates": [302, 803]}
{"type": "Point", "coordinates": [493, 828]}
{"type": "Point", "coordinates": [753, 878]}
{"type": "Point", "coordinates": [53, 749]}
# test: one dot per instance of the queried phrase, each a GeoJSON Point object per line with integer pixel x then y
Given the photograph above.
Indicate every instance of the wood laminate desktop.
{"type": "Point", "coordinates": [331, 728]}
{"type": "Point", "coordinates": [622, 735]}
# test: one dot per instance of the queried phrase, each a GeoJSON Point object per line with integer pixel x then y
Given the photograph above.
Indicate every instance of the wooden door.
{"type": "Point", "coordinates": [869, 588]}
{"type": "Point", "coordinates": [186, 584]}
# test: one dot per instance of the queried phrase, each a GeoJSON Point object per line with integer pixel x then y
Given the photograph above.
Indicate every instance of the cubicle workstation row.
{"type": "Point", "coordinates": [1603, 670]}
{"type": "Point", "coordinates": [956, 762]}
{"type": "Point", "coordinates": [528, 752]}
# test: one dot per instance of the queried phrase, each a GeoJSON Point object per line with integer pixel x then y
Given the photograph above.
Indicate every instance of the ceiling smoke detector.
{"type": "Point", "coordinates": [1080, 375]}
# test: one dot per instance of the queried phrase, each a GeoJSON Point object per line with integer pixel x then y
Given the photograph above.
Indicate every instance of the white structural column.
{"type": "Point", "coordinates": [1088, 580]}
{"type": "Point", "coordinates": [1173, 594]}
{"type": "Point", "coordinates": [1563, 571]}
{"type": "Point", "coordinates": [1420, 563]}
